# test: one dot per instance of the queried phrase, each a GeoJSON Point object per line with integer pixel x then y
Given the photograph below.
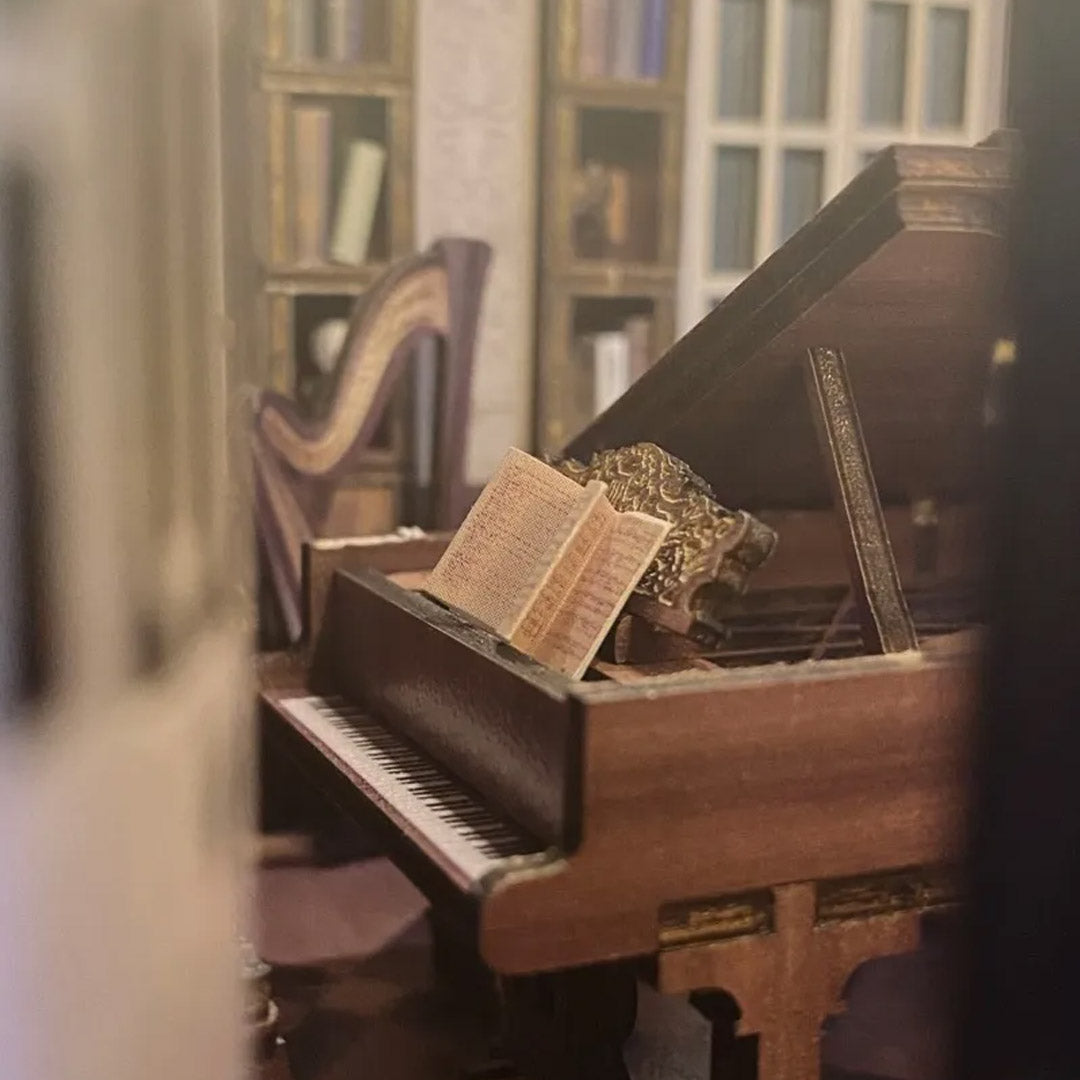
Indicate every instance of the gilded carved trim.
{"type": "Point", "coordinates": [710, 552]}
{"type": "Point", "coordinates": [886, 622]}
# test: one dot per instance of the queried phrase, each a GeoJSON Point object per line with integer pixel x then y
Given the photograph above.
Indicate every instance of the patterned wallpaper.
{"type": "Point", "coordinates": [477, 72]}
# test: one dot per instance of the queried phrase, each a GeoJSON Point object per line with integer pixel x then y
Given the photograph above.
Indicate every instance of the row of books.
{"type": "Point", "coordinates": [614, 359]}
{"type": "Point", "coordinates": [333, 229]}
{"type": "Point", "coordinates": [614, 215]}
{"type": "Point", "coordinates": [623, 39]}
{"type": "Point", "coordinates": [340, 31]}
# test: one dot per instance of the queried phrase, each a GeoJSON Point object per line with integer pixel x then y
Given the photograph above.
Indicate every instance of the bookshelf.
{"type": "Point", "coordinates": [335, 81]}
{"type": "Point", "coordinates": [613, 99]}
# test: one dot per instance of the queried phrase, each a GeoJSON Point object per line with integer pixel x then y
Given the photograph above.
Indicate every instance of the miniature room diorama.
{"type": "Point", "coordinates": [635, 717]}
{"type": "Point", "coordinates": [562, 581]}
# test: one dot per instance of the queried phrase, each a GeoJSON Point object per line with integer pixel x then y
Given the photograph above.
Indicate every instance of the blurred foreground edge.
{"type": "Point", "coordinates": [1018, 1018]}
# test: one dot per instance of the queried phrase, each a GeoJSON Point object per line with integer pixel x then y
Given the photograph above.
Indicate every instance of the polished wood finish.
{"type": "Point", "coordinates": [496, 719]}
{"type": "Point", "coordinates": [718, 785]}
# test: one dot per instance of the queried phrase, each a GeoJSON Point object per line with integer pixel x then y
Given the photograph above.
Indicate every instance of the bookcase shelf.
{"type": "Point", "coordinates": [296, 281]}
{"type": "Point", "coordinates": [617, 92]}
{"type": "Point", "coordinates": [613, 99]}
{"type": "Point", "coordinates": [334, 181]}
{"type": "Point", "coordinates": [332, 80]}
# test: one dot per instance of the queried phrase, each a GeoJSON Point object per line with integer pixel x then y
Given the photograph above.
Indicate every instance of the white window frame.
{"type": "Point", "coordinates": [843, 136]}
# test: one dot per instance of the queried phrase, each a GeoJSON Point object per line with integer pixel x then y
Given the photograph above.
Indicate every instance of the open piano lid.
{"type": "Point", "coordinates": [904, 271]}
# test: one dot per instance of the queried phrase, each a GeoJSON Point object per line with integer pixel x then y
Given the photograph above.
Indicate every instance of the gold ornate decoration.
{"type": "Point", "coordinates": [882, 894]}
{"type": "Point", "coordinates": [883, 612]}
{"type": "Point", "coordinates": [709, 553]}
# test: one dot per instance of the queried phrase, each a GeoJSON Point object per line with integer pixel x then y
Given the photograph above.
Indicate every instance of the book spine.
{"type": "Point", "coordinates": [627, 36]}
{"type": "Point", "coordinates": [355, 36]}
{"type": "Point", "coordinates": [639, 333]}
{"type": "Point", "coordinates": [312, 147]}
{"type": "Point", "coordinates": [378, 31]}
{"type": "Point", "coordinates": [357, 201]}
{"type": "Point", "coordinates": [593, 39]}
{"type": "Point", "coordinates": [612, 369]}
{"type": "Point", "coordinates": [302, 30]}
{"type": "Point", "coordinates": [617, 210]}
{"type": "Point", "coordinates": [337, 31]}
{"type": "Point", "coordinates": [644, 239]}
{"type": "Point", "coordinates": [654, 39]}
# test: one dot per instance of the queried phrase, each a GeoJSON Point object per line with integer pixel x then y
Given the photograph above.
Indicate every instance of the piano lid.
{"type": "Point", "coordinates": [905, 272]}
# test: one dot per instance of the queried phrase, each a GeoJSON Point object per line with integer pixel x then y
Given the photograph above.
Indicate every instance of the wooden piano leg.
{"type": "Point", "coordinates": [788, 981]}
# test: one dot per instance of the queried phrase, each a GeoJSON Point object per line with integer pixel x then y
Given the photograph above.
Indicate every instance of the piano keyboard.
{"type": "Point", "coordinates": [423, 799]}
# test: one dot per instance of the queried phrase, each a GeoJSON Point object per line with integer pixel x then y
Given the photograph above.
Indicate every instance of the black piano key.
{"type": "Point", "coordinates": [464, 815]}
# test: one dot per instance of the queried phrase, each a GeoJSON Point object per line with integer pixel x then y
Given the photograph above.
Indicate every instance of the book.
{"type": "Point", "coordinates": [336, 14]}
{"type": "Point", "coordinates": [355, 31]}
{"type": "Point", "coordinates": [377, 30]}
{"type": "Point", "coordinates": [611, 368]}
{"type": "Point", "coordinates": [638, 330]}
{"type": "Point", "coordinates": [654, 39]}
{"type": "Point", "coordinates": [617, 209]}
{"type": "Point", "coordinates": [358, 197]}
{"type": "Point", "coordinates": [594, 33]}
{"type": "Point", "coordinates": [303, 35]}
{"type": "Point", "coordinates": [643, 200]}
{"type": "Point", "coordinates": [313, 139]}
{"type": "Point", "coordinates": [626, 36]}
{"type": "Point", "coordinates": [545, 563]}
{"type": "Point", "coordinates": [578, 398]}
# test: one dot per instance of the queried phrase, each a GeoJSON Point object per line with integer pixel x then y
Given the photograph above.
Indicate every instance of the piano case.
{"type": "Point", "coordinates": [764, 819]}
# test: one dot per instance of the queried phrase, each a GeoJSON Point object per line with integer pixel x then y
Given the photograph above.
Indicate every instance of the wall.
{"type": "Point", "coordinates": [477, 71]}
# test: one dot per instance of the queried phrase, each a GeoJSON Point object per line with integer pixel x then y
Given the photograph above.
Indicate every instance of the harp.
{"type": "Point", "coordinates": [299, 462]}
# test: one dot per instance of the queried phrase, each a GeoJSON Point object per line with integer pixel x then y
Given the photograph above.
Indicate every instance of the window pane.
{"type": "Point", "coordinates": [946, 77]}
{"type": "Point", "coordinates": [803, 174]}
{"type": "Point", "coordinates": [885, 63]}
{"type": "Point", "coordinates": [807, 59]}
{"type": "Point", "coordinates": [735, 207]}
{"type": "Point", "coordinates": [741, 56]}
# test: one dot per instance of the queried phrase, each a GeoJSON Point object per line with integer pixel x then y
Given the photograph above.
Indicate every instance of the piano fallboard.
{"type": "Point", "coordinates": [669, 792]}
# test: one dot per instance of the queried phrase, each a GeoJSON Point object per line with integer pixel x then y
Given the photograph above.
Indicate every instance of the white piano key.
{"type": "Point", "coordinates": [425, 800]}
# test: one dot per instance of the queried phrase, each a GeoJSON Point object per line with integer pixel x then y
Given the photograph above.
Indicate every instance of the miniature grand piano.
{"type": "Point", "coordinates": [762, 819]}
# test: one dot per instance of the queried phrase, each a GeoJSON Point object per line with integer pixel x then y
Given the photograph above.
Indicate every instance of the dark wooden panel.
{"type": "Point", "coordinates": [502, 723]}
{"type": "Point", "coordinates": [1026, 849]}
{"type": "Point", "coordinates": [811, 547]}
{"type": "Point", "coordinates": [738, 782]}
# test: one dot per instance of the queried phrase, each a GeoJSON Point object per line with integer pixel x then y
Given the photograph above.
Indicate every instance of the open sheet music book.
{"type": "Point", "coordinates": [546, 563]}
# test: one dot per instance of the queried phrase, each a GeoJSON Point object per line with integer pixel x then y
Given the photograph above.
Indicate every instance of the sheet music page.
{"type": "Point", "coordinates": [564, 575]}
{"type": "Point", "coordinates": [506, 549]}
{"type": "Point", "coordinates": [615, 565]}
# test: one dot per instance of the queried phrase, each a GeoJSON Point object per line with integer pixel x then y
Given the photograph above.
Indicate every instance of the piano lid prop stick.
{"type": "Point", "coordinates": [883, 611]}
